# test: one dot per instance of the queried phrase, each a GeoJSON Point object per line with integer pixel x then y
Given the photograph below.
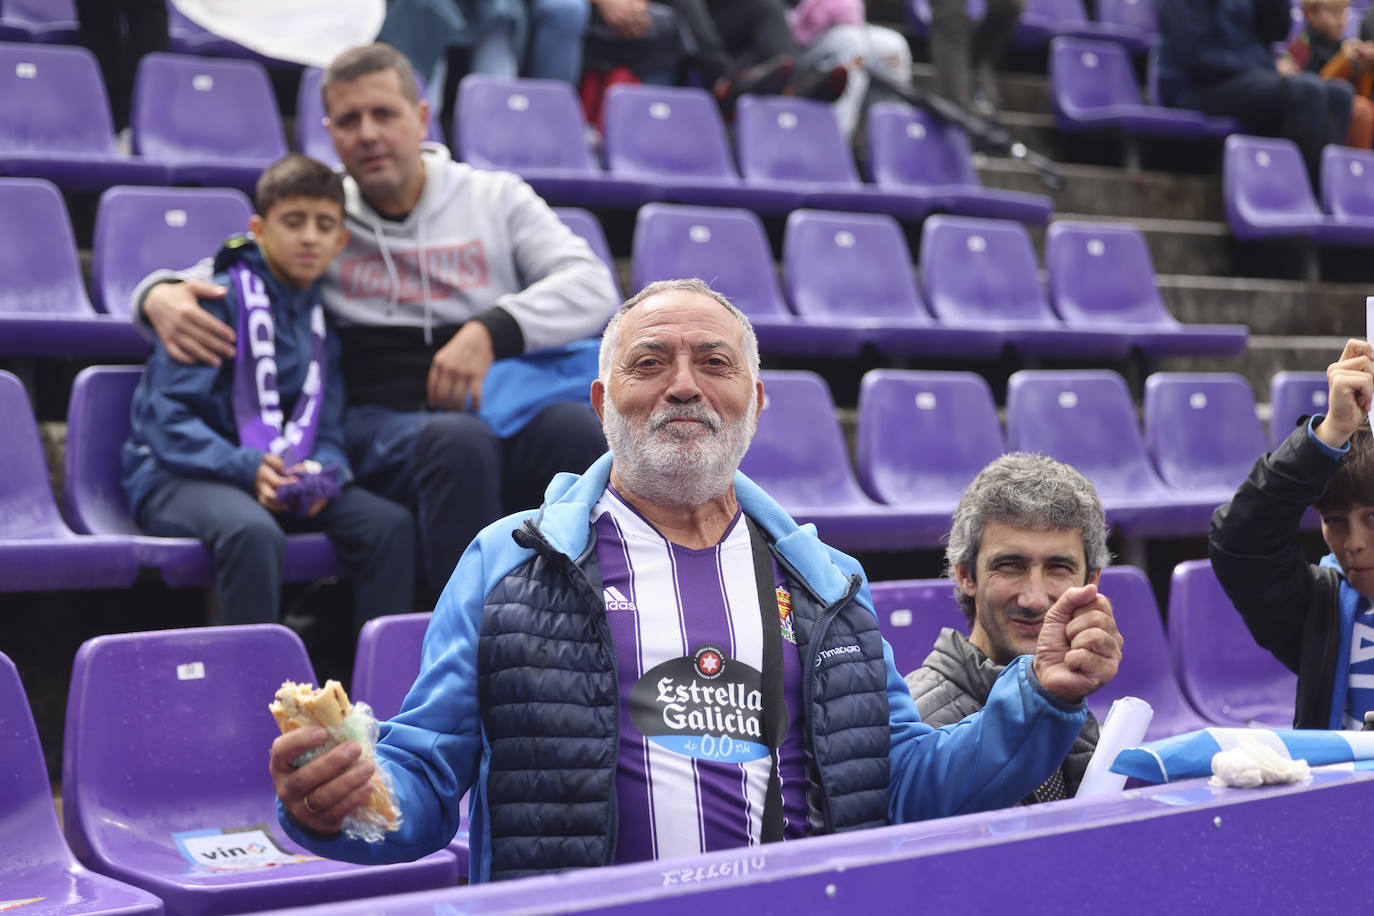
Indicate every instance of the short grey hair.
{"type": "Point", "coordinates": [362, 60]}
{"type": "Point", "coordinates": [610, 338]}
{"type": "Point", "coordinates": [1026, 491]}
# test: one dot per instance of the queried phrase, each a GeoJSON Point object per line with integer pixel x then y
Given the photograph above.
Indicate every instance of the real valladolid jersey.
{"type": "Point", "coordinates": [693, 768]}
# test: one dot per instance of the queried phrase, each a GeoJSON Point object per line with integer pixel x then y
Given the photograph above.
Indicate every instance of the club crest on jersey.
{"type": "Point", "coordinates": [785, 615]}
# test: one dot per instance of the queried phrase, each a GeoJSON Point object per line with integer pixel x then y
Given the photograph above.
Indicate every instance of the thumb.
{"type": "Point", "coordinates": [205, 290]}
{"type": "Point", "coordinates": [1072, 599]}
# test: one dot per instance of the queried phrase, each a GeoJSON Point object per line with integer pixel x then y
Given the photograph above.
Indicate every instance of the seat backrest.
{"type": "Point", "coordinates": [312, 138]}
{"type": "Point", "coordinates": [1087, 75]}
{"type": "Point", "coordinates": [387, 661]}
{"type": "Point", "coordinates": [41, 12]}
{"type": "Point", "coordinates": [911, 614]}
{"type": "Point", "coordinates": [797, 407]}
{"type": "Point", "coordinates": [27, 507]}
{"type": "Point", "coordinates": [1223, 670]}
{"type": "Point", "coordinates": [584, 224]}
{"type": "Point", "coordinates": [901, 412]}
{"type": "Point", "coordinates": [38, 252]}
{"type": "Point", "coordinates": [665, 132]}
{"type": "Point", "coordinates": [1293, 395]}
{"type": "Point", "coordinates": [791, 139]}
{"type": "Point", "coordinates": [138, 230]}
{"type": "Point", "coordinates": [1201, 429]}
{"type": "Point", "coordinates": [30, 833]}
{"type": "Point", "coordinates": [173, 94]}
{"type": "Point", "coordinates": [97, 425]}
{"type": "Point", "coordinates": [1101, 273]}
{"type": "Point", "coordinates": [1139, 16]}
{"type": "Point", "coordinates": [849, 264]}
{"type": "Point", "coordinates": [1348, 181]}
{"type": "Point", "coordinates": [1063, 13]}
{"type": "Point", "coordinates": [52, 99]}
{"type": "Point", "coordinates": [1264, 177]}
{"type": "Point", "coordinates": [1084, 418]}
{"type": "Point", "coordinates": [166, 731]}
{"type": "Point", "coordinates": [724, 246]}
{"type": "Point", "coordinates": [521, 123]}
{"type": "Point", "coordinates": [909, 146]}
{"type": "Point", "coordinates": [981, 269]}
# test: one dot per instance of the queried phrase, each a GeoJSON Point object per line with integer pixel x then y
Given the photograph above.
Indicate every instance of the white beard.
{"type": "Point", "coordinates": [676, 467]}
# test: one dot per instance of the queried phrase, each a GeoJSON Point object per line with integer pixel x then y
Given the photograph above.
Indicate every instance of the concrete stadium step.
{"type": "Point", "coordinates": [1021, 92]}
{"type": "Point", "coordinates": [1267, 355]}
{"type": "Point", "coordinates": [1095, 190]}
{"type": "Point", "coordinates": [1293, 309]}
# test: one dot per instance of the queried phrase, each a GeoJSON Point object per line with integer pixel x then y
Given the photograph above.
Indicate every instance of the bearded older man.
{"type": "Point", "coordinates": [660, 662]}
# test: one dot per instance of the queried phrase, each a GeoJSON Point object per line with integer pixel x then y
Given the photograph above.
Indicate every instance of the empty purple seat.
{"type": "Point", "coordinates": [1101, 275]}
{"type": "Point", "coordinates": [1146, 670]}
{"type": "Point", "coordinates": [158, 798]}
{"type": "Point", "coordinates": [1201, 430]}
{"type": "Point", "coordinates": [1267, 195]}
{"type": "Point", "coordinates": [1227, 677]}
{"type": "Point", "coordinates": [911, 614]}
{"type": "Point", "coordinates": [44, 311]}
{"type": "Point", "coordinates": [982, 273]}
{"type": "Point", "coordinates": [97, 425]}
{"type": "Point", "coordinates": [1348, 185]}
{"type": "Point", "coordinates": [55, 121]}
{"type": "Point", "coordinates": [901, 413]}
{"type": "Point", "coordinates": [728, 248]}
{"type": "Point", "coordinates": [139, 230]}
{"type": "Point", "coordinates": [186, 36]}
{"type": "Point", "coordinates": [1093, 86]}
{"type": "Point", "coordinates": [799, 458]}
{"type": "Point", "coordinates": [312, 138]}
{"type": "Point", "coordinates": [1042, 20]}
{"type": "Point", "coordinates": [796, 145]}
{"type": "Point", "coordinates": [1132, 23]}
{"type": "Point", "coordinates": [38, 552]}
{"type": "Point", "coordinates": [909, 148]}
{"type": "Point", "coordinates": [674, 138]}
{"type": "Point", "coordinates": [51, 21]}
{"type": "Point", "coordinates": [35, 861]}
{"type": "Point", "coordinates": [535, 128]}
{"type": "Point", "coordinates": [1087, 419]}
{"type": "Point", "coordinates": [853, 271]}
{"type": "Point", "coordinates": [588, 228]}
{"type": "Point", "coordinates": [1293, 395]}
{"type": "Point", "coordinates": [173, 95]}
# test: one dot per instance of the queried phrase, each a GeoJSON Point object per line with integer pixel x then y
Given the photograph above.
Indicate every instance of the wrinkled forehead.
{"type": "Point", "coordinates": [680, 318]}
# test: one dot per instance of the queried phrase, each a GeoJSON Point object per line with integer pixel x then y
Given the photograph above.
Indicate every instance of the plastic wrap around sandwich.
{"type": "Point", "coordinates": [302, 706]}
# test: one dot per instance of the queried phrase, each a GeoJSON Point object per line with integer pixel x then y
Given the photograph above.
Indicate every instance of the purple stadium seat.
{"type": "Point", "coordinates": [853, 271]}
{"type": "Point", "coordinates": [586, 226]}
{"type": "Point", "coordinates": [1267, 194]}
{"type": "Point", "coordinates": [727, 248]}
{"type": "Point", "coordinates": [1227, 677]}
{"type": "Point", "coordinates": [909, 148]}
{"type": "Point", "coordinates": [1133, 23]}
{"type": "Point", "coordinates": [1087, 418]}
{"type": "Point", "coordinates": [312, 139]}
{"type": "Point", "coordinates": [172, 94]}
{"type": "Point", "coordinates": [796, 145]}
{"type": "Point", "coordinates": [1093, 86]}
{"type": "Point", "coordinates": [901, 412]}
{"type": "Point", "coordinates": [674, 138]}
{"type": "Point", "coordinates": [1201, 430]}
{"type": "Point", "coordinates": [1101, 275]}
{"type": "Point", "coordinates": [38, 552]}
{"type": "Point", "coordinates": [919, 14]}
{"type": "Point", "coordinates": [798, 456]}
{"type": "Point", "coordinates": [51, 21]}
{"type": "Point", "coordinates": [44, 311]}
{"type": "Point", "coordinates": [55, 121]}
{"type": "Point", "coordinates": [35, 861]}
{"type": "Point", "coordinates": [1348, 185]}
{"type": "Point", "coordinates": [140, 792]}
{"type": "Point", "coordinates": [982, 273]}
{"type": "Point", "coordinates": [911, 614]}
{"type": "Point", "coordinates": [139, 230]}
{"type": "Point", "coordinates": [1042, 20]}
{"type": "Point", "coordinates": [1146, 669]}
{"type": "Point", "coordinates": [185, 36]}
{"type": "Point", "coordinates": [97, 425]}
{"type": "Point", "coordinates": [535, 128]}
{"type": "Point", "coordinates": [1293, 395]}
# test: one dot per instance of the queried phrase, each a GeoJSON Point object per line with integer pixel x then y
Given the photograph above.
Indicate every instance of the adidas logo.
{"type": "Point", "coordinates": [615, 601]}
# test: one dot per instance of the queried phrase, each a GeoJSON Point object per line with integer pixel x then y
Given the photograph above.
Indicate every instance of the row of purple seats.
{"type": "Point", "coordinates": [47, 21]}
{"type": "Point", "coordinates": [1131, 23]}
{"type": "Point", "coordinates": [1268, 194]}
{"type": "Point", "coordinates": [1205, 670]}
{"type": "Point", "coordinates": [849, 282]}
{"type": "Point", "coordinates": [670, 144]}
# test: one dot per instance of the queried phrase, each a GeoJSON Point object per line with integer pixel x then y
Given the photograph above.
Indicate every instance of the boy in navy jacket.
{"type": "Point", "coordinates": [238, 454]}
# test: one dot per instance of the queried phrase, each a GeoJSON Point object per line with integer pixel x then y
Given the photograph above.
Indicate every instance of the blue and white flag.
{"type": "Point", "coordinates": [1189, 755]}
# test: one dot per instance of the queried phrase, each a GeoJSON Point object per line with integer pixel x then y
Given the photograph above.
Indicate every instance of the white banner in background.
{"type": "Point", "coordinates": [310, 32]}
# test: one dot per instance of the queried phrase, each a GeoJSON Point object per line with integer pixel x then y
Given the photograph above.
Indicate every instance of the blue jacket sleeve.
{"type": "Point", "coordinates": [329, 438]}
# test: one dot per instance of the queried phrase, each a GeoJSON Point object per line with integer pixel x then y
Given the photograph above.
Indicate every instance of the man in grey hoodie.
{"type": "Point", "coordinates": [448, 269]}
{"type": "Point", "coordinates": [1027, 529]}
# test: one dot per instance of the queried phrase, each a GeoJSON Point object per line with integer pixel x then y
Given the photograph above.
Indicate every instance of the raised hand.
{"type": "Point", "coordinates": [1079, 647]}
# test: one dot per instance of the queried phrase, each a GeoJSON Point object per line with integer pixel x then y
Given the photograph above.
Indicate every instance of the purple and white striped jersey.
{"type": "Point", "coordinates": [693, 767]}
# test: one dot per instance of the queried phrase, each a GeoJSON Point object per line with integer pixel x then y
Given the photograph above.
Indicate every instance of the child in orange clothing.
{"type": "Point", "coordinates": [1320, 48]}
